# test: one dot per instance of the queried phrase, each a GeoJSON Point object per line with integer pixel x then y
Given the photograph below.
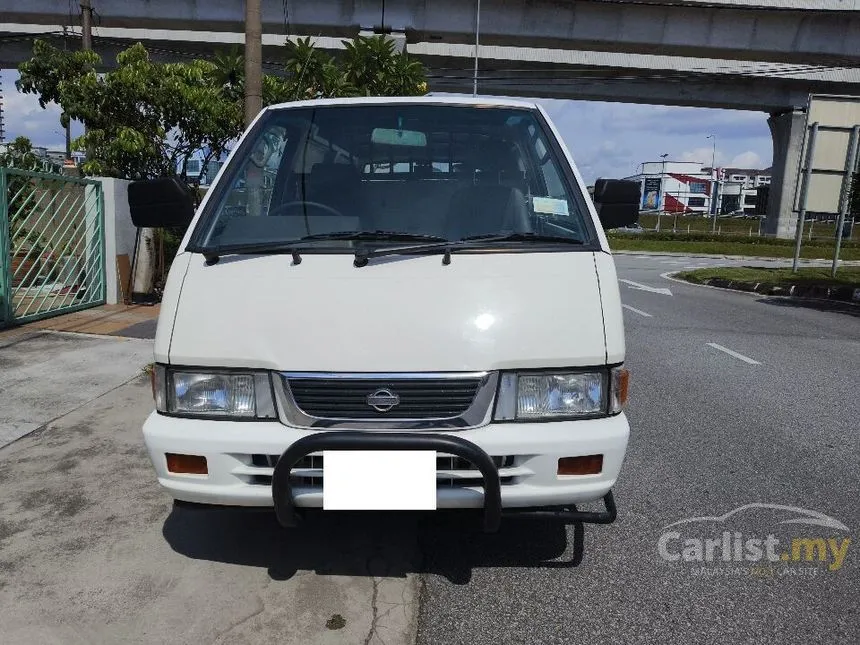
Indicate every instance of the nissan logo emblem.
{"type": "Point", "coordinates": [382, 400]}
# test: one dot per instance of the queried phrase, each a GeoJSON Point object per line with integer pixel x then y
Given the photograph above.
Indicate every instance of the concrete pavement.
{"type": "Point", "coordinates": [92, 552]}
{"type": "Point", "coordinates": [44, 375]}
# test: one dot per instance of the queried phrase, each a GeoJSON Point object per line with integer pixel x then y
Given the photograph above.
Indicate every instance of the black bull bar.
{"type": "Point", "coordinates": [285, 508]}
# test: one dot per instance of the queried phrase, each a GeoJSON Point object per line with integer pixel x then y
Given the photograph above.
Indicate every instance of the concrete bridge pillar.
{"type": "Point", "coordinates": [787, 131]}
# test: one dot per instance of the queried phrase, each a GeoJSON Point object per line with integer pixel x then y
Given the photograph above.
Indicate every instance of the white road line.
{"type": "Point", "coordinates": [637, 311]}
{"type": "Point", "coordinates": [745, 359]}
{"type": "Point", "coordinates": [644, 287]}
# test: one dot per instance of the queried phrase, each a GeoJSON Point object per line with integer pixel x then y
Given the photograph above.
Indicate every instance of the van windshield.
{"type": "Point", "coordinates": [441, 172]}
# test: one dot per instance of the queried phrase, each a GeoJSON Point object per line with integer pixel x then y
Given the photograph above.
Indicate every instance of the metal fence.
{"type": "Point", "coordinates": [818, 228]}
{"type": "Point", "coordinates": [52, 258]}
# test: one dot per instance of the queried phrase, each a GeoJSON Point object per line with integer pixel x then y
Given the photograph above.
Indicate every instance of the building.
{"type": "Point", "coordinates": [196, 172]}
{"type": "Point", "coordinates": [740, 188]}
{"type": "Point", "coordinates": [690, 188]}
{"type": "Point", "coordinates": [49, 160]}
{"type": "Point", "coordinates": [675, 187]}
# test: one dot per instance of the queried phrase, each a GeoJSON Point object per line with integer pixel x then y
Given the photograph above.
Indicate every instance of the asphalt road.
{"type": "Point", "coordinates": [736, 399]}
{"type": "Point", "coordinates": [710, 432]}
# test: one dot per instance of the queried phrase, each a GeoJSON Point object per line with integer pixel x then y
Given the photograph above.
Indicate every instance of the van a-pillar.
{"type": "Point", "coordinates": [787, 131]}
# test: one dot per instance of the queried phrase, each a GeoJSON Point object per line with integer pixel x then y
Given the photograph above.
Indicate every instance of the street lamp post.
{"type": "Point", "coordinates": [662, 208]}
{"type": "Point", "coordinates": [715, 183]}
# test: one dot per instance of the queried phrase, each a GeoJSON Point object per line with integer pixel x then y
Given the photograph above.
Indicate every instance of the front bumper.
{"type": "Point", "coordinates": [528, 477]}
{"type": "Point", "coordinates": [282, 487]}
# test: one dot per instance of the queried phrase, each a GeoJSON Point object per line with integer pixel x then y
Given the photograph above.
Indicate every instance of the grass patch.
{"type": "Point", "coordinates": [727, 247]}
{"type": "Point", "coordinates": [820, 276]}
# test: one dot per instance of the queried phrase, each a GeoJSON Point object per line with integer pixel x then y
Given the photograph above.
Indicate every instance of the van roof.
{"type": "Point", "coordinates": [452, 99]}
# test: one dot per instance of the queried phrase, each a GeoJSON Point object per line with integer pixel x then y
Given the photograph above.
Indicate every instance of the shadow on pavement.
{"type": "Point", "coordinates": [446, 543]}
{"type": "Point", "coordinates": [836, 306]}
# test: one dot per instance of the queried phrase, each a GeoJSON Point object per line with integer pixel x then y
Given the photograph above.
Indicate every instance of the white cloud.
{"type": "Point", "coordinates": [612, 139]}
{"type": "Point", "coordinates": [22, 116]}
{"type": "Point", "coordinates": [703, 156]}
{"type": "Point", "coordinates": [748, 159]}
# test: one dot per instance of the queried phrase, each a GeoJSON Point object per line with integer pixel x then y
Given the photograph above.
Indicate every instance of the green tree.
{"type": "Point", "coordinates": [369, 66]}
{"type": "Point", "coordinates": [142, 119]}
{"type": "Point", "coordinates": [145, 119]}
{"type": "Point", "coordinates": [19, 154]}
{"type": "Point", "coordinates": [49, 68]}
{"type": "Point", "coordinates": [229, 73]}
{"type": "Point", "coordinates": [372, 65]}
{"type": "Point", "coordinates": [21, 196]}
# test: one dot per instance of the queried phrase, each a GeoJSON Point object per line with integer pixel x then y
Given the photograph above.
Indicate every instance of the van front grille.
{"type": "Point", "coordinates": [412, 398]}
{"type": "Point", "coordinates": [443, 463]}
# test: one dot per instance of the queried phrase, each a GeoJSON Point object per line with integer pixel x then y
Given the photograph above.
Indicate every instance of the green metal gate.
{"type": "Point", "coordinates": [51, 245]}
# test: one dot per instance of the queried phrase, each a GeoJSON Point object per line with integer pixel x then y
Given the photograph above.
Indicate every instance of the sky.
{"type": "Point", "coordinates": [606, 139]}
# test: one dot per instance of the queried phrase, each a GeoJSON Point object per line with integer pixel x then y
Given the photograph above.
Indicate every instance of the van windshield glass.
{"type": "Point", "coordinates": [440, 171]}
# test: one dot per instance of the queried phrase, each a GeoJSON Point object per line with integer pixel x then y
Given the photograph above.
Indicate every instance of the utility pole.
{"type": "Point", "coordinates": [68, 126]}
{"type": "Point", "coordinates": [86, 45]}
{"type": "Point", "coordinates": [86, 24]}
{"type": "Point", "coordinates": [715, 183]}
{"type": "Point", "coordinates": [253, 60]}
{"type": "Point", "coordinates": [477, 44]}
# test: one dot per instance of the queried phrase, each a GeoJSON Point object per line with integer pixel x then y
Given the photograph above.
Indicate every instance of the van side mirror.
{"type": "Point", "coordinates": [617, 202]}
{"type": "Point", "coordinates": [160, 203]}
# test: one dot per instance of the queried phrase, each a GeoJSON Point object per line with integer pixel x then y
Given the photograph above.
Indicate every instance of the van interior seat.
{"type": "Point", "coordinates": [337, 185]}
{"type": "Point", "coordinates": [498, 163]}
{"type": "Point", "coordinates": [412, 205]}
{"type": "Point", "coordinates": [486, 209]}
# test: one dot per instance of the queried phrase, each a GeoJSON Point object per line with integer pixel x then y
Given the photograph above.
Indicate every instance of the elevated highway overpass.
{"type": "Point", "coordinates": [797, 31]}
{"type": "Point", "coordinates": [763, 55]}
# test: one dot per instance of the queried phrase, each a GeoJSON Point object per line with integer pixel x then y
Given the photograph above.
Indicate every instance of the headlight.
{"type": "Point", "coordinates": [218, 394]}
{"type": "Point", "coordinates": [527, 396]}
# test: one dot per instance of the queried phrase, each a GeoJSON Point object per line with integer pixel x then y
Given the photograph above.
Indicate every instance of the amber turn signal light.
{"type": "Point", "coordinates": [620, 389]}
{"type": "Point", "coordinates": [587, 465]}
{"type": "Point", "coordinates": [186, 464]}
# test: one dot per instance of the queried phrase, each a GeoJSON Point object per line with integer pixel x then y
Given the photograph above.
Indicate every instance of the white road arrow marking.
{"type": "Point", "coordinates": [644, 314]}
{"type": "Point", "coordinates": [644, 287]}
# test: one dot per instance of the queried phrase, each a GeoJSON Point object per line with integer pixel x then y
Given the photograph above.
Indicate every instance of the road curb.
{"type": "Point", "coordinates": [847, 295]}
{"type": "Point", "coordinates": [717, 256]}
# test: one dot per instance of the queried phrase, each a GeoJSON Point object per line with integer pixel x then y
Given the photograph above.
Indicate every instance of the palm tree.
{"type": "Point", "coordinates": [229, 73]}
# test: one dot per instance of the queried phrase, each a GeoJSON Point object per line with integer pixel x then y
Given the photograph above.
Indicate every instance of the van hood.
{"type": "Point", "coordinates": [483, 311]}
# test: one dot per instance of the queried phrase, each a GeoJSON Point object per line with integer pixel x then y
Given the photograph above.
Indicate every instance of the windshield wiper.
{"type": "Point", "coordinates": [522, 237]}
{"type": "Point", "coordinates": [470, 242]}
{"type": "Point", "coordinates": [382, 236]}
{"type": "Point", "coordinates": [214, 254]}
{"type": "Point", "coordinates": [362, 256]}
{"type": "Point", "coordinates": [293, 247]}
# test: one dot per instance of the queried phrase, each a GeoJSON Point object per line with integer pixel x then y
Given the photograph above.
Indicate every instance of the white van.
{"type": "Point", "coordinates": [392, 304]}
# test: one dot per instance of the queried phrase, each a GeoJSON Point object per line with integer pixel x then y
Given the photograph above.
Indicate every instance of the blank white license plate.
{"type": "Point", "coordinates": [379, 480]}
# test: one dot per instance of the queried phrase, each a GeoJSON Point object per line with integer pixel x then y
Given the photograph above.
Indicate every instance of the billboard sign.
{"type": "Point", "coordinates": [651, 194]}
{"type": "Point", "coordinates": [828, 182]}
